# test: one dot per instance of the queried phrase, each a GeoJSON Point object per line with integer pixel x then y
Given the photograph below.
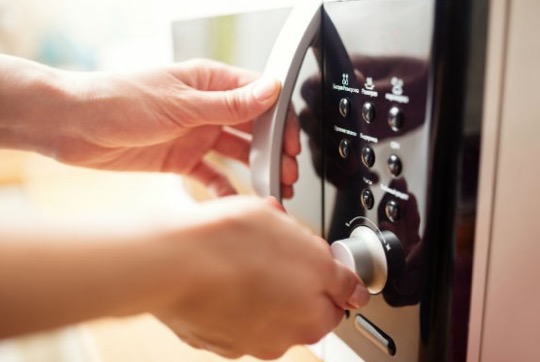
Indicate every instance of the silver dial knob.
{"type": "Point", "coordinates": [374, 255]}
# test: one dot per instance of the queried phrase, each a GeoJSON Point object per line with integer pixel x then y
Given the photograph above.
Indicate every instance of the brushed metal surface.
{"type": "Point", "coordinates": [510, 315]}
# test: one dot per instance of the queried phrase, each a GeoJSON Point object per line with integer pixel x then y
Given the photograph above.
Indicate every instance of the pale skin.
{"type": "Point", "coordinates": [235, 276]}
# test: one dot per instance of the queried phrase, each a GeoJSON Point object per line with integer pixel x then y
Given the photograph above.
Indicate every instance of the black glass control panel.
{"type": "Point", "coordinates": [375, 116]}
{"type": "Point", "coordinates": [376, 154]}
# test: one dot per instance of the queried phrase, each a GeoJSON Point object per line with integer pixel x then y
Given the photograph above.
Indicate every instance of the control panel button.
{"type": "Point", "coordinates": [375, 334]}
{"type": "Point", "coordinates": [367, 199]}
{"type": "Point", "coordinates": [344, 107]}
{"type": "Point", "coordinates": [344, 148]}
{"type": "Point", "coordinates": [395, 118]}
{"type": "Point", "coordinates": [368, 156]}
{"type": "Point", "coordinates": [394, 165]}
{"type": "Point", "coordinates": [374, 255]}
{"type": "Point", "coordinates": [368, 112]}
{"type": "Point", "coordinates": [392, 210]}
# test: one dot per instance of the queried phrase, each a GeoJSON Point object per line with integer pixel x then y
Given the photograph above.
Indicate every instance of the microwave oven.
{"type": "Point", "coordinates": [419, 129]}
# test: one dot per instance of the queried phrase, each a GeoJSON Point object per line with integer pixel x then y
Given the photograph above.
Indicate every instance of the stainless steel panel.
{"type": "Point", "coordinates": [506, 320]}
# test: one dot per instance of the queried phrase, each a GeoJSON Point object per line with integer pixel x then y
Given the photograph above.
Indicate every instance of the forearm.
{"type": "Point", "coordinates": [72, 277]}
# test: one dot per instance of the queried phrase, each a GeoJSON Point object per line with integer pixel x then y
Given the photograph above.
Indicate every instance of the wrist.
{"type": "Point", "coordinates": [31, 97]}
{"type": "Point", "coordinates": [45, 110]}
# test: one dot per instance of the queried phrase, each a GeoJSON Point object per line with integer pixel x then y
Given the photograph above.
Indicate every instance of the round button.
{"type": "Point", "coordinates": [367, 199]}
{"type": "Point", "coordinates": [344, 148]}
{"type": "Point", "coordinates": [395, 118]}
{"type": "Point", "coordinates": [368, 112]}
{"type": "Point", "coordinates": [374, 255]}
{"type": "Point", "coordinates": [344, 107]}
{"type": "Point", "coordinates": [364, 253]}
{"type": "Point", "coordinates": [394, 165]}
{"type": "Point", "coordinates": [392, 210]}
{"type": "Point", "coordinates": [368, 156]}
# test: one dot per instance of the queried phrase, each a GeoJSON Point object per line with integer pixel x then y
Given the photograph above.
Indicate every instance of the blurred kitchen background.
{"type": "Point", "coordinates": [112, 35]}
{"type": "Point", "coordinates": [83, 35]}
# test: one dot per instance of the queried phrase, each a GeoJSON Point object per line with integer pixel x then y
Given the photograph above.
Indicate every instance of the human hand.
{"type": "Point", "coordinates": [252, 281]}
{"type": "Point", "coordinates": [168, 120]}
{"type": "Point", "coordinates": [165, 120]}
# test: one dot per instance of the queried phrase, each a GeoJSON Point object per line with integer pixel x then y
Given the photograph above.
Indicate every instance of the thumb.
{"type": "Point", "coordinates": [273, 202]}
{"type": "Point", "coordinates": [347, 290]}
{"type": "Point", "coordinates": [241, 104]}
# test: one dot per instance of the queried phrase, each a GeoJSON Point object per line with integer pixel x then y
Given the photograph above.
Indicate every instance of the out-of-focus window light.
{"type": "Point", "coordinates": [86, 34]}
{"type": "Point", "coordinates": [103, 34]}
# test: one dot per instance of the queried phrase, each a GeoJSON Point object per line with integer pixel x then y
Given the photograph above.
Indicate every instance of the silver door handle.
{"type": "Point", "coordinates": [296, 36]}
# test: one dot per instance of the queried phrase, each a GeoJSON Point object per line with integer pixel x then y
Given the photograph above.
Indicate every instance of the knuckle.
{"type": "Point", "coordinates": [289, 172]}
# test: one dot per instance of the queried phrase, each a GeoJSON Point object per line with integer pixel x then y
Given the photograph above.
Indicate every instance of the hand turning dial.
{"type": "Point", "coordinates": [376, 256]}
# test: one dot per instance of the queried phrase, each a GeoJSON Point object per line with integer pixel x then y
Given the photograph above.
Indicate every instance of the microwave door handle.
{"type": "Point", "coordinates": [297, 35]}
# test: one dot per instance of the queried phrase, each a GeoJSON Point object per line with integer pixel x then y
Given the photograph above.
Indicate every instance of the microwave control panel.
{"type": "Point", "coordinates": [376, 122]}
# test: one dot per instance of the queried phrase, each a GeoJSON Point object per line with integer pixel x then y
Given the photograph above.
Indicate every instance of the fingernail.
{"type": "Point", "coordinates": [264, 88]}
{"type": "Point", "coordinates": [360, 296]}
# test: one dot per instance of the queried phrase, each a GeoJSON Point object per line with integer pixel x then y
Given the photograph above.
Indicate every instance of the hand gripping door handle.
{"type": "Point", "coordinates": [300, 30]}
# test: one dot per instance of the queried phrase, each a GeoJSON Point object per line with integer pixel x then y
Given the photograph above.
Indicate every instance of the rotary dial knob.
{"type": "Point", "coordinates": [376, 256]}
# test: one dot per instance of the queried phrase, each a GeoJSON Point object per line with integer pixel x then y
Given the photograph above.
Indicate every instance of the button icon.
{"type": "Point", "coordinates": [397, 91]}
{"type": "Point", "coordinates": [397, 86]}
{"type": "Point", "coordinates": [345, 79]}
{"type": "Point", "coordinates": [369, 87]}
{"type": "Point", "coordinates": [369, 84]}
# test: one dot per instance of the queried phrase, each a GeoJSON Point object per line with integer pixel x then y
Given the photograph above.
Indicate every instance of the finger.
{"type": "Point", "coordinates": [270, 353]}
{"type": "Point", "coordinates": [222, 76]}
{"type": "Point", "coordinates": [333, 315]}
{"type": "Point", "coordinates": [317, 322]}
{"type": "Point", "coordinates": [273, 202]}
{"type": "Point", "coordinates": [218, 345]}
{"type": "Point", "coordinates": [346, 289]}
{"type": "Point", "coordinates": [359, 298]}
{"type": "Point", "coordinates": [213, 179]}
{"type": "Point", "coordinates": [291, 134]}
{"type": "Point", "coordinates": [223, 352]}
{"type": "Point", "coordinates": [233, 145]}
{"type": "Point", "coordinates": [245, 127]}
{"type": "Point", "coordinates": [211, 75]}
{"type": "Point", "coordinates": [236, 106]}
{"type": "Point", "coordinates": [289, 170]}
{"type": "Point", "coordinates": [287, 192]}
{"type": "Point", "coordinates": [324, 244]}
